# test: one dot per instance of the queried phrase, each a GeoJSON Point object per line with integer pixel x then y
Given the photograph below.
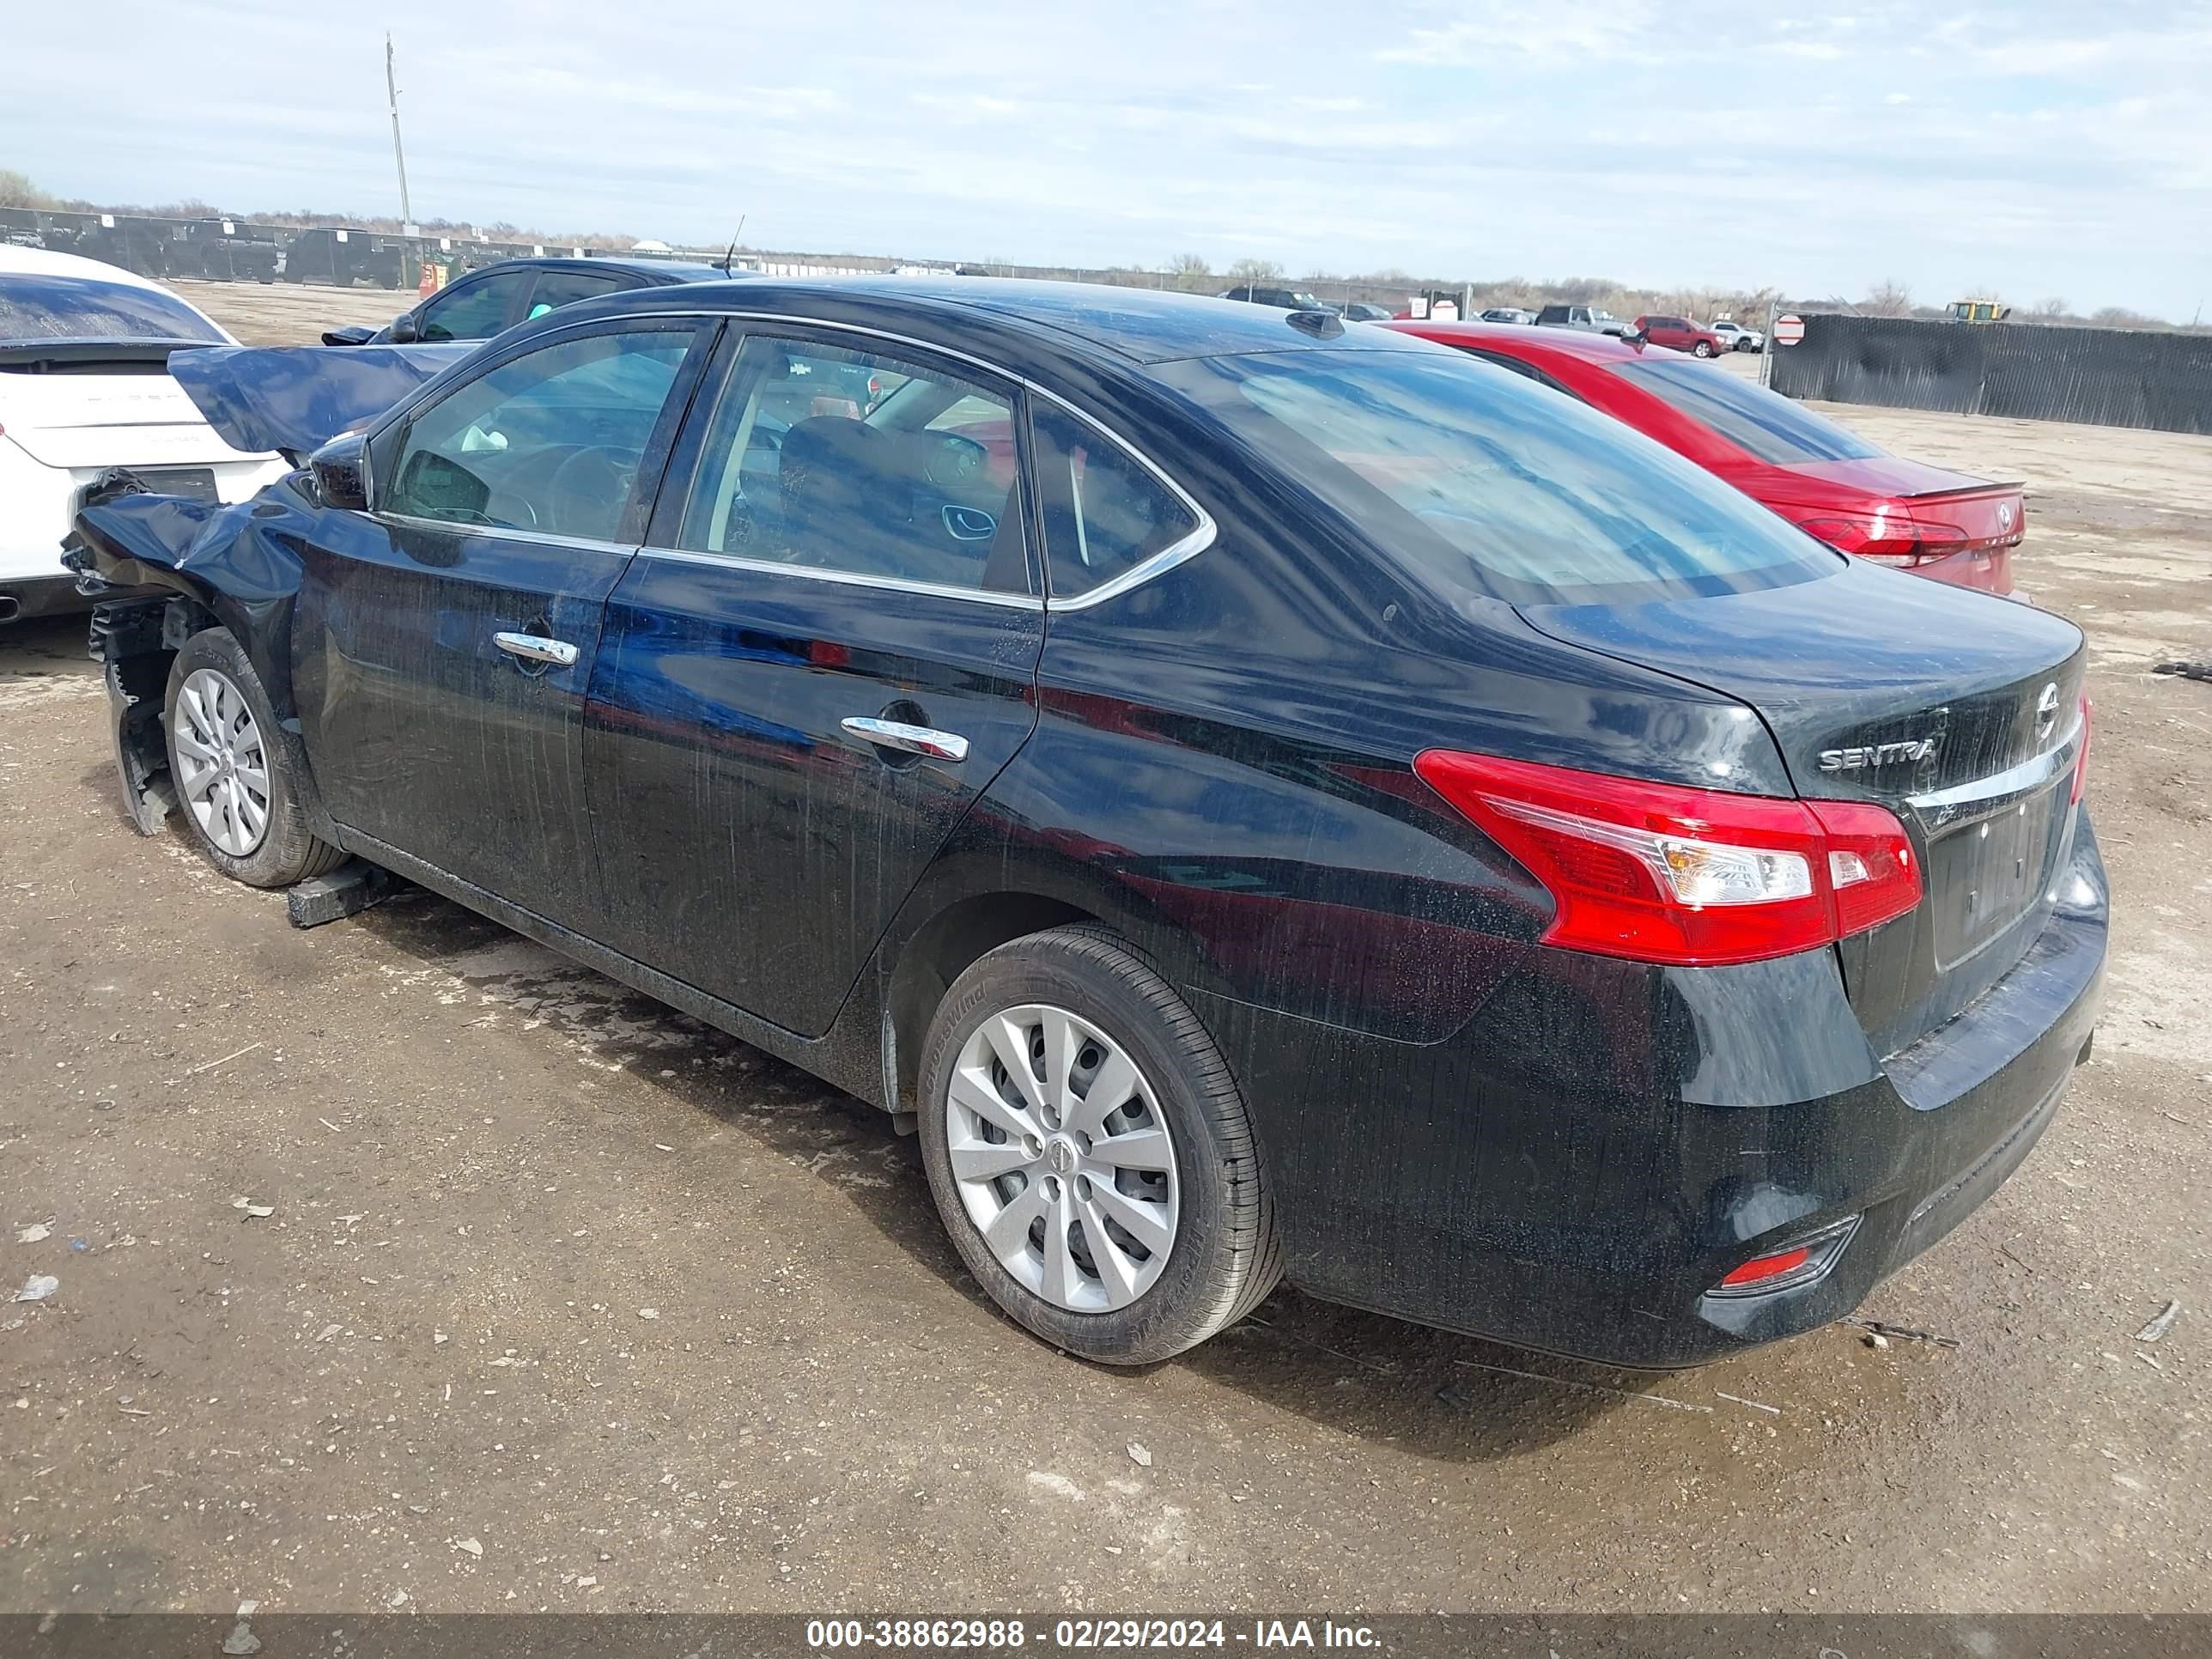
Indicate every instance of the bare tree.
{"type": "Point", "coordinates": [1889, 298]}
{"type": "Point", "coordinates": [16, 190]}
{"type": "Point", "coordinates": [1255, 270]}
{"type": "Point", "coordinates": [1191, 270]}
{"type": "Point", "coordinates": [2050, 311]}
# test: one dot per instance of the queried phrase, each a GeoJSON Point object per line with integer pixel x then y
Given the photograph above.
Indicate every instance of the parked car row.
{"type": "Point", "coordinates": [1263, 797]}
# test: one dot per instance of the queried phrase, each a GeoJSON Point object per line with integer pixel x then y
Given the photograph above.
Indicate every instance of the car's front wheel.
{"type": "Point", "coordinates": [1090, 1153]}
{"type": "Point", "coordinates": [236, 770]}
{"type": "Point", "coordinates": [1703, 348]}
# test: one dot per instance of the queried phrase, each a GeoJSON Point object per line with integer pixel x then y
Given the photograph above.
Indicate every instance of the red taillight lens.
{"type": "Point", "coordinates": [1664, 873]}
{"type": "Point", "coordinates": [2082, 755]}
{"type": "Point", "coordinates": [1761, 1268]}
{"type": "Point", "coordinates": [1888, 537]}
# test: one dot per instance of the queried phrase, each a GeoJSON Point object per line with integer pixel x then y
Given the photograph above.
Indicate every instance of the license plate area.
{"type": "Point", "coordinates": [197, 483]}
{"type": "Point", "coordinates": [1985, 874]}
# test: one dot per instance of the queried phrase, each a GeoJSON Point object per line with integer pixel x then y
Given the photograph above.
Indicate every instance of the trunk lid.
{"type": "Point", "coordinates": [1959, 712]}
{"type": "Point", "coordinates": [82, 419]}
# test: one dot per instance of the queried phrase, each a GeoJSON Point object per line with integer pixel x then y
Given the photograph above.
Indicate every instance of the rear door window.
{"type": "Point", "coordinates": [1106, 513]}
{"type": "Point", "coordinates": [1765, 423]}
{"type": "Point", "coordinates": [831, 459]}
{"type": "Point", "coordinates": [1479, 482]}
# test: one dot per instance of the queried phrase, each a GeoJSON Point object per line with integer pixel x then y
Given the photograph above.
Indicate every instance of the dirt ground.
{"type": "Point", "coordinates": [566, 1302]}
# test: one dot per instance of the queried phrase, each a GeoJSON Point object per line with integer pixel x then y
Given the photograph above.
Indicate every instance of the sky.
{"type": "Point", "coordinates": [2051, 150]}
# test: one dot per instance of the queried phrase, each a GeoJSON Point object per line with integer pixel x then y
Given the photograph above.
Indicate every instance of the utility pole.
{"type": "Point", "coordinates": [399, 155]}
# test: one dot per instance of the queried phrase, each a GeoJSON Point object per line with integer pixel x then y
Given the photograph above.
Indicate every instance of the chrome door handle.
{"type": "Point", "coordinates": [913, 740]}
{"type": "Point", "coordinates": [536, 647]}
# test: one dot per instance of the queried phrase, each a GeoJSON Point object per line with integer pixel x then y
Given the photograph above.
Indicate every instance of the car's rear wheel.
{"type": "Point", "coordinates": [235, 770]}
{"type": "Point", "coordinates": [1090, 1154]}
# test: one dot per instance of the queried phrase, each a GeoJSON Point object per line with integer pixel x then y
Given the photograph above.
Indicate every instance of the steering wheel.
{"type": "Point", "coordinates": [593, 475]}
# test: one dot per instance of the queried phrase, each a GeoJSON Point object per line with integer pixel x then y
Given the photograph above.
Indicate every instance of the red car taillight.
{"type": "Point", "coordinates": [1661, 873]}
{"type": "Point", "coordinates": [1911, 540]}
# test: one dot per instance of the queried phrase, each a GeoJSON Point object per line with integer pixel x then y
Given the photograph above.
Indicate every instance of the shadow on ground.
{"type": "Point", "coordinates": [1447, 1396]}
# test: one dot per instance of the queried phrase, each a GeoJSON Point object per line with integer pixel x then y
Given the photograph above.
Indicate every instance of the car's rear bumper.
{"type": "Point", "coordinates": [1578, 1167]}
{"type": "Point", "coordinates": [25, 598]}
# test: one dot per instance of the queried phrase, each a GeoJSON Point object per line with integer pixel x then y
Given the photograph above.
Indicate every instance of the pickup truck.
{"type": "Point", "coordinates": [1590, 320]}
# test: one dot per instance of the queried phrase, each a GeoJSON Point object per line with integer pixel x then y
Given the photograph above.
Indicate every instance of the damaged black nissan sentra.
{"type": "Point", "coordinates": [1265, 799]}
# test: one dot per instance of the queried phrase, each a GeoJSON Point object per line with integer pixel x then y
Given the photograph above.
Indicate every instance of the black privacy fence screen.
{"type": "Point", "coordinates": [2099, 376]}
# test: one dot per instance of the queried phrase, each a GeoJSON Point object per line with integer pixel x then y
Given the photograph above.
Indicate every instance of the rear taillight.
{"type": "Point", "coordinates": [1884, 536]}
{"type": "Point", "coordinates": [2082, 755]}
{"type": "Point", "coordinates": [1661, 873]}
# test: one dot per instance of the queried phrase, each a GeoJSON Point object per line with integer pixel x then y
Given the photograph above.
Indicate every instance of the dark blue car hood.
{"type": "Point", "coordinates": [293, 399]}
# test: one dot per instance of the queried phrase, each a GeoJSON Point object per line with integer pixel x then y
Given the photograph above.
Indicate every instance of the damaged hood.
{"type": "Point", "coordinates": [297, 399]}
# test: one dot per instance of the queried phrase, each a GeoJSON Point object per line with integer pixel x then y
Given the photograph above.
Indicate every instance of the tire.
{"type": "Point", "coordinates": [1221, 1257]}
{"type": "Point", "coordinates": [216, 724]}
{"type": "Point", "coordinates": [1703, 348]}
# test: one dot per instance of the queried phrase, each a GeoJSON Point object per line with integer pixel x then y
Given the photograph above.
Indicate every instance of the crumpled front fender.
{"type": "Point", "coordinates": [241, 562]}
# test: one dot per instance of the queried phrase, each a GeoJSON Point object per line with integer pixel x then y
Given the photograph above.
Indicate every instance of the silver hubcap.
{"type": "Point", "coordinates": [225, 771]}
{"type": "Point", "coordinates": [1062, 1158]}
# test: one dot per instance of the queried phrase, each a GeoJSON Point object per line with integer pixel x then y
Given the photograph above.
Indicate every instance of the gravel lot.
{"type": "Point", "coordinates": [568, 1301]}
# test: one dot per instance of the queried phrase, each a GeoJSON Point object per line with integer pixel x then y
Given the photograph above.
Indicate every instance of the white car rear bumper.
{"type": "Point", "coordinates": [37, 503]}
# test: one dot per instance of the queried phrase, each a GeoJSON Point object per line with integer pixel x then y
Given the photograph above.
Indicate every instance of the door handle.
{"type": "Point", "coordinates": [912, 739]}
{"type": "Point", "coordinates": [536, 647]}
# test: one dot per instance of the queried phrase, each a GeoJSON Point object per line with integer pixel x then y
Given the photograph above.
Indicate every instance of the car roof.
{"type": "Point", "coordinates": [1524, 342]}
{"type": "Point", "coordinates": [1137, 325]}
{"type": "Point", "coordinates": [664, 270]}
{"type": "Point", "coordinates": [44, 261]}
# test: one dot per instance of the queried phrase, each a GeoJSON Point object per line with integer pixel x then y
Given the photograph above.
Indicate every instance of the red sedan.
{"type": "Point", "coordinates": [1821, 477]}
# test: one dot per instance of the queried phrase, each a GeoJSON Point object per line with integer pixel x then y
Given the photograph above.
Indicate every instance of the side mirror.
{"type": "Point", "coordinates": [402, 331]}
{"type": "Point", "coordinates": [352, 335]}
{"type": "Point", "coordinates": [341, 470]}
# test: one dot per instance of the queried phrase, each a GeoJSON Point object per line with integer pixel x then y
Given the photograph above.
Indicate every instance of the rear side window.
{"type": "Point", "coordinates": [1763, 422]}
{"type": "Point", "coordinates": [41, 307]}
{"type": "Point", "coordinates": [1105, 512]}
{"type": "Point", "coordinates": [1483, 482]}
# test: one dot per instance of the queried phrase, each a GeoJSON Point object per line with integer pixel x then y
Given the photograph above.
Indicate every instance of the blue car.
{"type": "Point", "coordinates": [1263, 799]}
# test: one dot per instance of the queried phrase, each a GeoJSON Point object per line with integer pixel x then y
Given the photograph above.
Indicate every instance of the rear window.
{"type": "Point", "coordinates": [1763, 422]}
{"type": "Point", "coordinates": [1481, 480]}
{"type": "Point", "coordinates": [35, 306]}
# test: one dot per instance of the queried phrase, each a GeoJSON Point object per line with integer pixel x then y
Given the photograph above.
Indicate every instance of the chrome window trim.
{"type": "Point", "coordinates": [2019, 780]}
{"type": "Point", "coordinates": [1175, 553]}
{"type": "Point", "coordinates": [505, 533]}
{"type": "Point", "coordinates": [846, 578]}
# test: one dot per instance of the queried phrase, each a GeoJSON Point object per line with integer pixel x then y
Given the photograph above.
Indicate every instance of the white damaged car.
{"type": "Point", "coordinates": [84, 385]}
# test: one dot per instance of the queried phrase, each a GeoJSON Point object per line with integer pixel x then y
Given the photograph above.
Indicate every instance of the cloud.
{"type": "Point", "coordinates": [2044, 149]}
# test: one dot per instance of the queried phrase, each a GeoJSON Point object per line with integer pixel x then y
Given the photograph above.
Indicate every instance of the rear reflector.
{"type": "Point", "coordinates": [1760, 1268]}
{"type": "Point", "coordinates": [1664, 873]}
{"type": "Point", "coordinates": [2082, 755]}
{"type": "Point", "coordinates": [1800, 1264]}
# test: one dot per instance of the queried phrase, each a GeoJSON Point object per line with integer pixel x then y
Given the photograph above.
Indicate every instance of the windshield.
{"type": "Point", "coordinates": [37, 307]}
{"type": "Point", "coordinates": [1475, 478]}
{"type": "Point", "coordinates": [1764, 423]}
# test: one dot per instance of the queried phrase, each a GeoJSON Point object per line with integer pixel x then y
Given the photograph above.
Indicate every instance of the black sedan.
{"type": "Point", "coordinates": [493, 300]}
{"type": "Point", "coordinates": [1265, 798]}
